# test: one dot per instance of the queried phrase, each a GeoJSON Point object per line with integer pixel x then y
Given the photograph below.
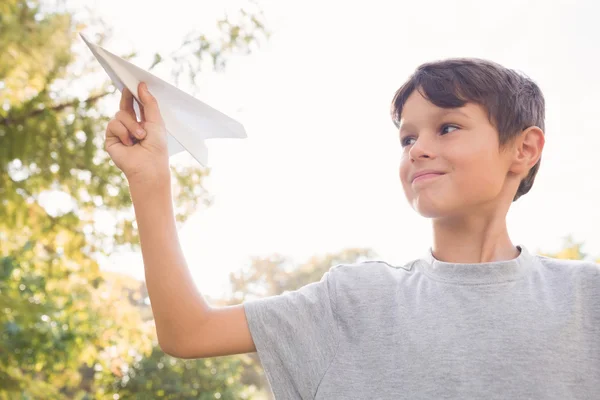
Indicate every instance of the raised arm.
{"type": "Point", "coordinates": [186, 325]}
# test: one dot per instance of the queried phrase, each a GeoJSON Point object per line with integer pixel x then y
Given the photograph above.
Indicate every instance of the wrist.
{"type": "Point", "coordinates": [153, 177]}
{"type": "Point", "coordinates": [149, 182]}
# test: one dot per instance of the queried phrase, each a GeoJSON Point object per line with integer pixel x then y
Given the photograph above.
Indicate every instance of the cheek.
{"type": "Point", "coordinates": [479, 176]}
{"type": "Point", "coordinates": [404, 171]}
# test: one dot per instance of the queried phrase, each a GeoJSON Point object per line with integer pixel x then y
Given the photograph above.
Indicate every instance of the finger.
{"type": "Point", "coordinates": [142, 115]}
{"type": "Point", "coordinates": [150, 105]}
{"type": "Point", "coordinates": [131, 123]}
{"type": "Point", "coordinates": [127, 102]}
{"type": "Point", "coordinates": [116, 130]}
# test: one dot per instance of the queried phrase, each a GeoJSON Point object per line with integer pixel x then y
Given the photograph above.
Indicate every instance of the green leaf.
{"type": "Point", "coordinates": [157, 59]}
{"type": "Point", "coordinates": [7, 265]}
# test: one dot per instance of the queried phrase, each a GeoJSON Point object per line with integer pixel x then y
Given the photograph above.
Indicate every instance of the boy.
{"type": "Point", "coordinates": [476, 317]}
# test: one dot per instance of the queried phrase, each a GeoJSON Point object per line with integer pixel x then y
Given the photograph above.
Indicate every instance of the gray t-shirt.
{"type": "Point", "coordinates": [527, 328]}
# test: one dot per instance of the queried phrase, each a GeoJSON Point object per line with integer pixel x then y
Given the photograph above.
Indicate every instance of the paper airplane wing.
{"type": "Point", "coordinates": [188, 120]}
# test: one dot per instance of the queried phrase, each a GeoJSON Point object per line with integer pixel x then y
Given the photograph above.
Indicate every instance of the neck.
{"type": "Point", "coordinates": [472, 239]}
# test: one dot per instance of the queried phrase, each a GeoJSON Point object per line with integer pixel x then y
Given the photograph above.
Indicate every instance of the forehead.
{"type": "Point", "coordinates": [418, 110]}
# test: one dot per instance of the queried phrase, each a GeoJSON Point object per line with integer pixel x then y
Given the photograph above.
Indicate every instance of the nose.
{"type": "Point", "coordinates": [422, 148]}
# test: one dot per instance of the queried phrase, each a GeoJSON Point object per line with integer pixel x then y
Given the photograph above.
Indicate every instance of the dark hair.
{"type": "Point", "coordinates": [513, 101]}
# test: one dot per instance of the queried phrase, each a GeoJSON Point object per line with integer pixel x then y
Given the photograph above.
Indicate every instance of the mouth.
{"type": "Point", "coordinates": [426, 177]}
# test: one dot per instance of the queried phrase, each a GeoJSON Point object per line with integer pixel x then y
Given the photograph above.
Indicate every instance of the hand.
{"type": "Point", "coordinates": [139, 149]}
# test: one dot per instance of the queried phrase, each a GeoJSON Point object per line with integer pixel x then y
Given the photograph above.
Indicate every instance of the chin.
{"type": "Point", "coordinates": [428, 209]}
{"type": "Point", "coordinates": [428, 213]}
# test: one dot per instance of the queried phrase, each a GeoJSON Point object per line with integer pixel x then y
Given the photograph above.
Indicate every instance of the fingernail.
{"type": "Point", "coordinates": [140, 133]}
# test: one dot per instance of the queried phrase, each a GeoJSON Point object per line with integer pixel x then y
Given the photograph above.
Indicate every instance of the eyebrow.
{"type": "Point", "coordinates": [408, 126]}
{"type": "Point", "coordinates": [454, 111]}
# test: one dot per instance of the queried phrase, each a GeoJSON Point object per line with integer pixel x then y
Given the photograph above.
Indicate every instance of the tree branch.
{"type": "Point", "coordinates": [59, 107]}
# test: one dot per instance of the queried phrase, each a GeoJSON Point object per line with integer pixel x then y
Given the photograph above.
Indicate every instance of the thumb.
{"type": "Point", "coordinates": [150, 105]}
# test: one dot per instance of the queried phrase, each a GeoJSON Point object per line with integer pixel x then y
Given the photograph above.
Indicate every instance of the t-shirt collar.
{"type": "Point", "coordinates": [479, 273]}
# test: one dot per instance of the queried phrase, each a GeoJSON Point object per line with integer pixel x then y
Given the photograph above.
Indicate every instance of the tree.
{"type": "Point", "coordinates": [162, 376]}
{"type": "Point", "coordinates": [66, 328]}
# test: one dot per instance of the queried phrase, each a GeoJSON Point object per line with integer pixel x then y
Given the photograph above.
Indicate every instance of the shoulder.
{"type": "Point", "coordinates": [581, 273]}
{"type": "Point", "coordinates": [570, 266]}
{"type": "Point", "coordinates": [368, 275]}
{"type": "Point", "coordinates": [370, 268]}
{"type": "Point", "coordinates": [365, 291]}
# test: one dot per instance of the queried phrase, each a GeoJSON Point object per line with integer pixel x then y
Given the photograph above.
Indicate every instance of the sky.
{"type": "Point", "coordinates": [318, 172]}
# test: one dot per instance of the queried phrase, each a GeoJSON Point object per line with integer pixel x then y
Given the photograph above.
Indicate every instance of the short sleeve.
{"type": "Point", "coordinates": [296, 337]}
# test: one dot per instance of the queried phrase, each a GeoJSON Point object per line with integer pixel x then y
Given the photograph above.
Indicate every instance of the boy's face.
{"type": "Point", "coordinates": [463, 146]}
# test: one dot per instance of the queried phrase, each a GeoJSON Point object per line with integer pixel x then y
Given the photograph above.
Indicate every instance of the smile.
{"type": "Point", "coordinates": [426, 178]}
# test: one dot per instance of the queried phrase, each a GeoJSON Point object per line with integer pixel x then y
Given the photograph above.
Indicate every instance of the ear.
{"type": "Point", "coordinates": [527, 150]}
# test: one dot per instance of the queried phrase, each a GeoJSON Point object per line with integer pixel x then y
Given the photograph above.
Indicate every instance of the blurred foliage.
{"type": "Point", "coordinates": [68, 330]}
{"type": "Point", "coordinates": [571, 250]}
{"type": "Point", "coordinates": [162, 376]}
{"type": "Point", "coordinates": [238, 34]}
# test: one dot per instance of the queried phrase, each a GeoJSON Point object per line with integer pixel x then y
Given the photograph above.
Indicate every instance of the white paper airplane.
{"type": "Point", "coordinates": [188, 120]}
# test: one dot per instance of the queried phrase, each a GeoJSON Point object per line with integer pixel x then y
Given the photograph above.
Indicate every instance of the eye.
{"type": "Point", "coordinates": [405, 141]}
{"type": "Point", "coordinates": [445, 128]}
